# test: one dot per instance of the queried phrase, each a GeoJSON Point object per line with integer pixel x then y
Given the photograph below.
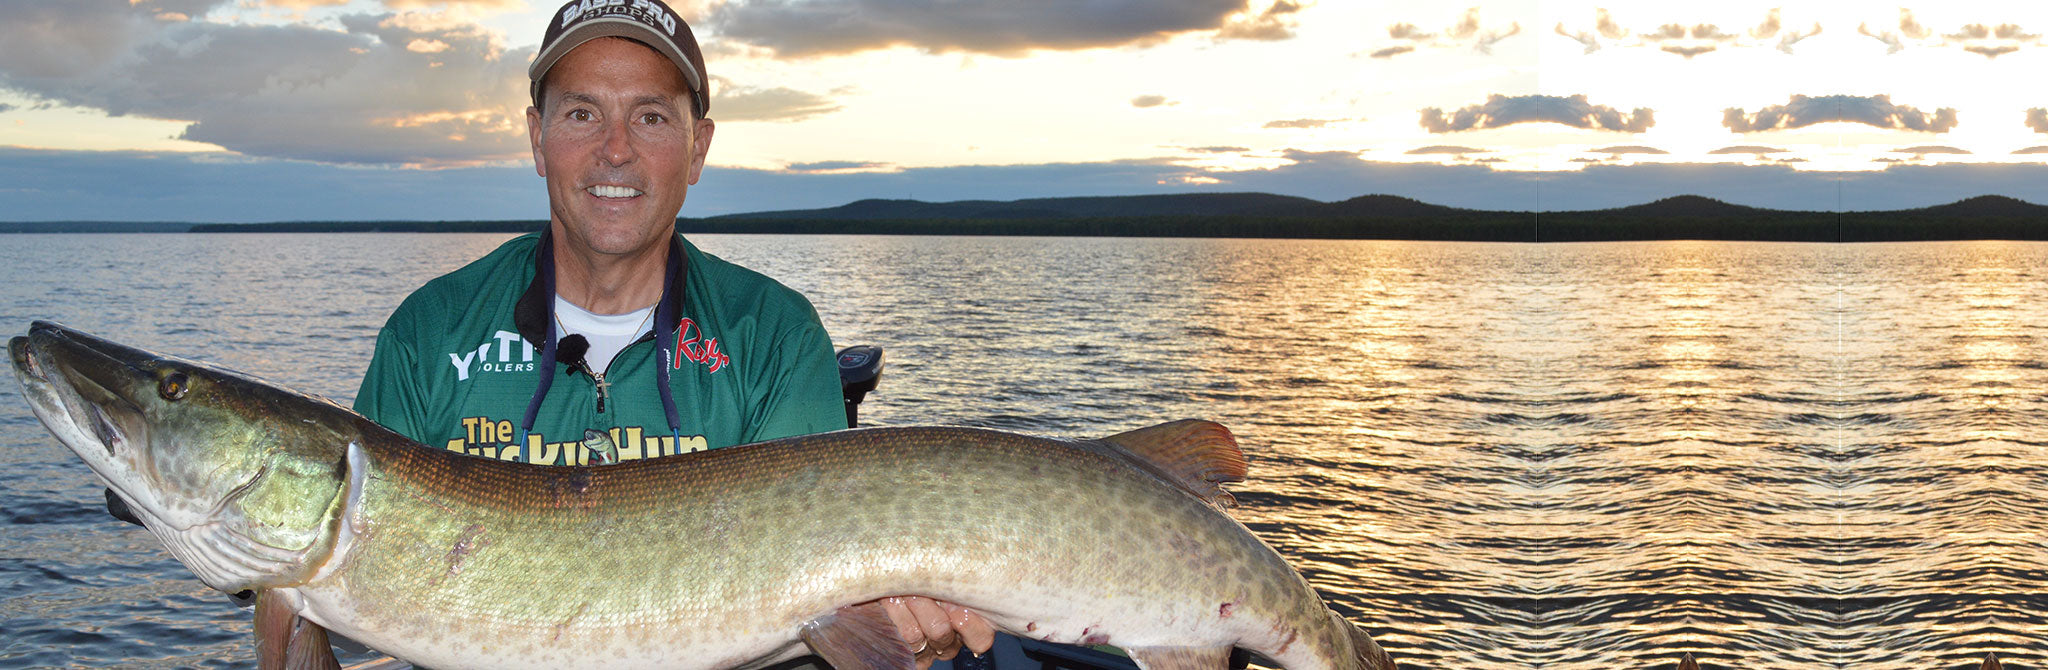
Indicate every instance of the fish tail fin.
{"type": "Point", "coordinates": [1370, 655]}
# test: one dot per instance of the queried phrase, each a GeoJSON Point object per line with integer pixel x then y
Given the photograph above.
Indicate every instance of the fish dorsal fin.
{"type": "Point", "coordinates": [859, 637]}
{"type": "Point", "coordinates": [1200, 456]}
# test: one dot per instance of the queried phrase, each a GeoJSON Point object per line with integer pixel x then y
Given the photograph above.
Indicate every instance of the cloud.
{"type": "Point", "coordinates": [798, 28]}
{"type": "Point", "coordinates": [5, 108]}
{"type": "Point", "coordinates": [1876, 111]}
{"type": "Point", "coordinates": [1219, 150]}
{"type": "Point", "coordinates": [1991, 51]}
{"type": "Point", "coordinates": [834, 166]}
{"type": "Point", "coordinates": [1892, 41]}
{"type": "Point", "coordinates": [1910, 26]}
{"type": "Point", "coordinates": [474, 5]}
{"type": "Point", "coordinates": [1500, 111]}
{"type": "Point", "coordinates": [1591, 43]}
{"type": "Point", "coordinates": [1991, 41]}
{"type": "Point", "coordinates": [1747, 149]}
{"type": "Point", "coordinates": [741, 103]}
{"type": "Point", "coordinates": [302, 4]}
{"type": "Point", "coordinates": [1630, 149]}
{"type": "Point", "coordinates": [2037, 119]}
{"type": "Point", "coordinates": [1929, 149]}
{"type": "Point", "coordinates": [354, 95]}
{"type": "Point", "coordinates": [2033, 150]}
{"type": "Point", "coordinates": [1770, 26]}
{"type": "Point", "coordinates": [1466, 32]}
{"type": "Point", "coordinates": [1604, 22]}
{"type": "Point", "coordinates": [1683, 40]}
{"type": "Point", "coordinates": [1978, 31]}
{"type": "Point", "coordinates": [1485, 42]}
{"type": "Point", "coordinates": [1445, 149]}
{"type": "Point", "coordinates": [1688, 50]}
{"type": "Point", "coordinates": [1792, 38]}
{"type": "Point", "coordinates": [1977, 38]}
{"type": "Point", "coordinates": [1277, 22]}
{"type": "Point", "coordinates": [1688, 42]}
{"type": "Point", "coordinates": [1150, 100]}
{"type": "Point", "coordinates": [1300, 123]}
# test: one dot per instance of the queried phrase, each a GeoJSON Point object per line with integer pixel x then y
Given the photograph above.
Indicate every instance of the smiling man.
{"type": "Point", "coordinates": [609, 324]}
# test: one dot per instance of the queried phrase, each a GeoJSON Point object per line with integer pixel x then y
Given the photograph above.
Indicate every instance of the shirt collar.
{"type": "Point", "coordinates": [536, 307]}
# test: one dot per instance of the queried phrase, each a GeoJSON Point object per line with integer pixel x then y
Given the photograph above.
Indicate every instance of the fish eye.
{"type": "Point", "coordinates": [174, 386]}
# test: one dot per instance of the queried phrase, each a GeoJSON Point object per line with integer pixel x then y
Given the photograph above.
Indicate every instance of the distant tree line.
{"type": "Point", "coordinates": [1257, 215]}
{"type": "Point", "coordinates": [1470, 227]}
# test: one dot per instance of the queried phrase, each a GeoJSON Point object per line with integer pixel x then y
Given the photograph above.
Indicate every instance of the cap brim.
{"type": "Point", "coordinates": [611, 26]}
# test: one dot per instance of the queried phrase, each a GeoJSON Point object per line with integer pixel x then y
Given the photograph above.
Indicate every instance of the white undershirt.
{"type": "Point", "coordinates": [608, 333]}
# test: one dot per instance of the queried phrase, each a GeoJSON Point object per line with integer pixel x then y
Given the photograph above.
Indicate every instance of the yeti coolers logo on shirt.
{"type": "Point", "coordinates": [494, 355]}
{"type": "Point", "coordinates": [695, 346]}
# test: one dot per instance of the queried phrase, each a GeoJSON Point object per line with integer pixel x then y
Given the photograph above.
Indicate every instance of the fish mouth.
{"type": "Point", "coordinates": [81, 388]}
{"type": "Point", "coordinates": [23, 355]}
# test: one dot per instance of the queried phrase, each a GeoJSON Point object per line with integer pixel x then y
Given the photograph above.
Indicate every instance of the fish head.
{"type": "Point", "coordinates": [242, 481]}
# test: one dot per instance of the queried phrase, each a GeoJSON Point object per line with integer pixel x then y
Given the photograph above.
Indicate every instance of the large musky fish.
{"type": "Point", "coordinates": [727, 558]}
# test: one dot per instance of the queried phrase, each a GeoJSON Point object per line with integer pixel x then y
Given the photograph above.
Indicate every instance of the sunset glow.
{"type": "Point", "coordinates": [1205, 94]}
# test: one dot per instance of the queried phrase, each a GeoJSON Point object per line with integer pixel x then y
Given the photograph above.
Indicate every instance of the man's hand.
{"type": "Point", "coordinates": [937, 629]}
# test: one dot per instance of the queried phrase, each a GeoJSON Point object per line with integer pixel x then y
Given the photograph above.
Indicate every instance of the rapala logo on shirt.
{"type": "Point", "coordinates": [693, 345]}
{"type": "Point", "coordinates": [494, 355]}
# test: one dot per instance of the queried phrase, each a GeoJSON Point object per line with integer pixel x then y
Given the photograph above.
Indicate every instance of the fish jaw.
{"type": "Point", "coordinates": [104, 429]}
{"type": "Point", "coordinates": [188, 452]}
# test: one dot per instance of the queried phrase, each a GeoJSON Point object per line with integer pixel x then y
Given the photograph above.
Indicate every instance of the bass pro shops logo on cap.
{"type": "Point", "coordinates": [649, 22]}
{"type": "Point", "coordinates": [645, 11]}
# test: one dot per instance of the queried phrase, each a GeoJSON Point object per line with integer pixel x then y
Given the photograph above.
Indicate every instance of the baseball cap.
{"type": "Point", "coordinates": [648, 21]}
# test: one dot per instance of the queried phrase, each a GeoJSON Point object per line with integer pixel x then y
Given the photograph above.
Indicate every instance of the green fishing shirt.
{"type": "Point", "coordinates": [458, 362]}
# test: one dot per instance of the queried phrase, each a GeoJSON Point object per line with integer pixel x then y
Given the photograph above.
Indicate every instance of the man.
{"type": "Point", "coordinates": [608, 320]}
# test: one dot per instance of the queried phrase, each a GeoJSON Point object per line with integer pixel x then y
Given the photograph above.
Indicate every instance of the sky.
{"type": "Point", "coordinates": [293, 110]}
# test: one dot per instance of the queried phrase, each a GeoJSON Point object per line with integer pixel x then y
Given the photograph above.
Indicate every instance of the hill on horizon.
{"type": "Point", "coordinates": [1696, 206]}
{"type": "Point", "coordinates": [1995, 206]}
{"type": "Point", "coordinates": [1221, 215]}
{"type": "Point", "coordinates": [1267, 205]}
{"type": "Point", "coordinates": [1177, 204]}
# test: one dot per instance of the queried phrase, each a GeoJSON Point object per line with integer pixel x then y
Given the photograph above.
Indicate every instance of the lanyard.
{"type": "Point", "coordinates": [665, 311]}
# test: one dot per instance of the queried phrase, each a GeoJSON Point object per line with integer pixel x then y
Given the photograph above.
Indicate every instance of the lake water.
{"type": "Point", "coordinates": [1491, 455]}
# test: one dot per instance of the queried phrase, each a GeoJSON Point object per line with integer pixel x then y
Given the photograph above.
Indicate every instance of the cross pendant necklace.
{"type": "Point", "coordinates": [603, 389]}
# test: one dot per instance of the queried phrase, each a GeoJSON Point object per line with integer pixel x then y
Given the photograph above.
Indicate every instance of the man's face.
{"type": "Point", "coordinates": [618, 146]}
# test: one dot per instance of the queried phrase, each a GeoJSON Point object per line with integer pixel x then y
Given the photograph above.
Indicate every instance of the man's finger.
{"type": "Point", "coordinates": [906, 623]}
{"type": "Point", "coordinates": [975, 632]}
{"type": "Point", "coordinates": [938, 628]}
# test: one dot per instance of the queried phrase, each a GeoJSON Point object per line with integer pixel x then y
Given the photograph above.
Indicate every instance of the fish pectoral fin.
{"type": "Point", "coordinates": [1180, 658]}
{"type": "Point", "coordinates": [1200, 456]}
{"type": "Point", "coordinates": [860, 637]}
{"type": "Point", "coordinates": [284, 641]}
